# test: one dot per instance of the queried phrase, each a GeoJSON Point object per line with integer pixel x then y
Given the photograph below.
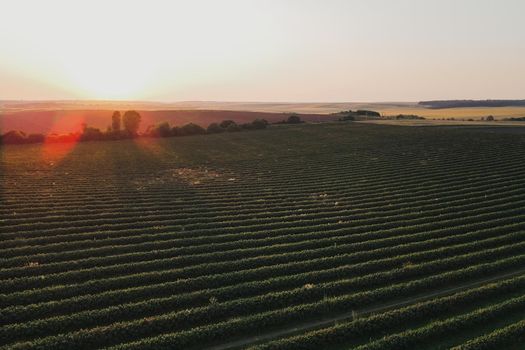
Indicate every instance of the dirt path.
{"type": "Point", "coordinates": [240, 343]}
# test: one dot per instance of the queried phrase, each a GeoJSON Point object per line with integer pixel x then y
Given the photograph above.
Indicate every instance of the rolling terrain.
{"type": "Point", "coordinates": [67, 116]}
{"type": "Point", "coordinates": [312, 236]}
{"type": "Point", "coordinates": [66, 121]}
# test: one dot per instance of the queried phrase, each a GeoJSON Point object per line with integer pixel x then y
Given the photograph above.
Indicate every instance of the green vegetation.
{"type": "Point", "coordinates": [293, 118]}
{"type": "Point", "coordinates": [131, 121]}
{"type": "Point", "coordinates": [411, 238]}
{"type": "Point", "coordinates": [356, 115]}
{"type": "Point", "coordinates": [406, 116]}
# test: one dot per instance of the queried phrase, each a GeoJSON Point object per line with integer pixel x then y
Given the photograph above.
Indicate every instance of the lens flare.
{"type": "Point", "coordinates": [56, 145]}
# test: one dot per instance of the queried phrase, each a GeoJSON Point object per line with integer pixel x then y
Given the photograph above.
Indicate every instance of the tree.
{"type": "Point", "coordinates": [115, 121]}
{"type": "Point", "coordinates": [175, 131]}
{"type": "Point", "coordinates": [36, 138]}
{"type": "Point", "coordinates": [131, 121]}
{"type": "Point", "coordinates": [294, 119]}
{"type": "Point", "coordinates": [14, 137]}
{"type": "Point", "coordinates": [91, 134]}
{"type": "Point", "coordinates": [490, 118]}
{"type": "Point", "coordinates": [233, 127]}
{"type": "Point", "coordinates": [225, 123]}
{"type": "Point", "coordinates": [368, 113]}
{"type": "Point", "coordinates": [259, 124]}
{"type": "Point", "coordinates": [214, 128]}
{"type": "Point", "coordinates": [191, 129]}
{"type": "Point", "coordinates": [160, 130]}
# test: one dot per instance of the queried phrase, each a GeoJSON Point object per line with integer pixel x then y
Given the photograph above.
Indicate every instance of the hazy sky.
{"type": "Point", "coordinates": [267, 50]}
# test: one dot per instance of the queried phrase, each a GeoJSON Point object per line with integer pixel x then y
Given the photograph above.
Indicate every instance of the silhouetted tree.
{"type": "Point", "coordinates": [191, 129]}
{"type": "Point", "coordinates": [91, 134]}
{"type": "Point", "coordinates": [259, 124]}
{"type": "Point", "coordinates": [131, 121]}
{"type": "Point", "coordinates": [14, 137]}
{"type": "Point", "coordinates": [233, 127]}
{"type": "Point", "coordinates": [294, 119]}
{"type": "Point", "coordinates": [115, 122]}
{"type": "Point", "coordinates": [160, 130]}
{"type": "Point", "coordinates": [225, 123]}
{"type": "Point", "coordinates": [490, 118]}
{"type": "Point", "coordinates": [214, 128]}
{"type": "Point", "coordinates": [36, 138]}
{"type": "Point", "coordinates": [175, 131]}
{"type": "Point", "coordinates": [368, 113]}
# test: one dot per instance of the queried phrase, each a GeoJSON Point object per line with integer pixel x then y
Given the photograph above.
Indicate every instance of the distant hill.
{"type": "Point", "coordinates": [270, 107]}
{"type": "Point", "coordinates": [437, 104]}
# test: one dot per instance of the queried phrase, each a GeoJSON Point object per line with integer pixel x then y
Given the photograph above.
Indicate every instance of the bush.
{"type": "Point", "coordinates": [294, 119]}
{"type": "Point", "coordinates": [368, 113]}
{"type": "Point", "coordinates": [409, 116]}
{"type": "Point", "coordinates": [14, 137]}
{"type": "Point", "coordinates": [233, 127]}
{"type": "Point", "coordinates": [226, 123]}
{"type": "Point", "coordinates": [159, 130]}
{"type": "Point", "coordinates": [214, 128]}
{"type": "Point", "coordinates": [36, 138]}
{"type": "Point", "coordinates": [490, 118]}
{"type": "Point", "coordinates": [91, 134]}
{"type": "Point", "coordinates": [191, 129]}
{"type": "Point", "coordinates": [246, 126]}
{"type": "Point", "coordinates": [259, 124]}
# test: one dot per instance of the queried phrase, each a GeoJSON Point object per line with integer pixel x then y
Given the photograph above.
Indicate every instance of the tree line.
{"type": "Point", "coordinates": [127, 126]}
{"type": "Point", "coordinates": [437, 104]}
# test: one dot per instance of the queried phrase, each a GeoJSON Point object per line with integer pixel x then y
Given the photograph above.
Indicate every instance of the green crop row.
{"type": "Point", "coordinates": [216, 312]}
{"type": "Point", "coordinates": [503, 338]}
{"type": "Point", "coordinates": [364, 328]}
{"type": "Point", "coordinates": [255, 324]}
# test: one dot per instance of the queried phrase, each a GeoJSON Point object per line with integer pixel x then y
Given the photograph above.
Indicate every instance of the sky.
{"type": "Point", "coordinates": [266, 50]}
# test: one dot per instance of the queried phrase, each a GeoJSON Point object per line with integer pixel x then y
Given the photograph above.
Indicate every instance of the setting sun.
{"type": "Point", "coordinates": [261, 50]}
{"type": "Point", "coordinates": [110, 77]}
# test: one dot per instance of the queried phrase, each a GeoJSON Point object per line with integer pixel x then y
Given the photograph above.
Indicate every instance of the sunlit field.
{"type": "Point", "coordinates": [312, 236]}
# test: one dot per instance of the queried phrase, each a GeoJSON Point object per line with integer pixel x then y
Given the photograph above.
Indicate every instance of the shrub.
{"type": "Point", "coordinates": [368, 113]}
{"type": "Point", "coordinates": [91, 134]}
{"type": "Point", "coordinates": [191, 129]}
{"type": "Point", "coordinates": [294, 119]}
{"type": "Point", "coordinates": [159, 130]}
{"type": "Point", "coordinates": [226, 123]}
{"type": "Point", "coordinates": [214, 128]}
{"type": "Point", "coordinates": [14, 137]}
{"type": "Point", "coordinates": [259, 124]}
{"type": "Point", "coordinates": [233, 127]}
{"type": "Point", "coordinates": [36, 138]}
{"type": "Point", "coordinates": [175, 131]}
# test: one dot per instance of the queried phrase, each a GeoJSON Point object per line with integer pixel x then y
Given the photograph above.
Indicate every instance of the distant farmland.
{"type": "Point", "coordinates": [316, 236]}
{"type": "Point", "coordinates": [67, 116]}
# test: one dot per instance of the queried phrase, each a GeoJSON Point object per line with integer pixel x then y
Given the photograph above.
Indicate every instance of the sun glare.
{"type": "Point", "coordinates": [108, 79]}
{"type": "Point", "coordinates": [58, 145]}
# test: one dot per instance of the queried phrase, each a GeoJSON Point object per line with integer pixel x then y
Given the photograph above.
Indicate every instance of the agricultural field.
{"type": "Point", "coordinates": [311, 236]}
